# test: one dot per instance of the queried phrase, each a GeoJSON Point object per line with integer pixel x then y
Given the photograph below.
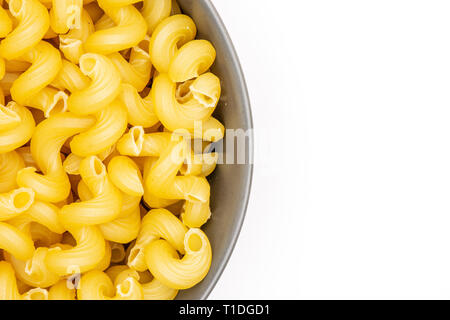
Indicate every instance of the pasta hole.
{"type": "Point", "coordinates": [194, 242]}
{"type": "Point", "coordinates": [22, 200]}
{"type": "Point", "coordinates": [99, 168]}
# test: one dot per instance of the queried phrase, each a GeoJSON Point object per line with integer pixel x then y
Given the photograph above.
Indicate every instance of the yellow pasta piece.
{"type": "Point", "coordinates": [130, 28]}
{"type": "Point", "coordinates": [138, 144]}
{"type": "Point", "coordinates": [50, 101]}
{"type": "Point", "coordinates": [195, 112]}
{"type": "Point", "coordinates": [106, 204]}
{"type": "Point", "coordinates": [34, 271]}
{"type": "Point", "coordinates": [103, 89]}
{"type": "Point", "coordinates": [172, 33]}
{"type": "Point", "coordinates": [163, 182]}
{"type": "Point", "coordinates": [17, 126]}
{"type": "Point", "coordinates": [85, 256]}
{"type": "Point", "coordinates": [53, 184]}
{"type": "Point", "coordinates": [140, 110]}
{"type": "Point", "coordinates": [137, 70]}
{"type": "Point", "coordinates": [117, 252]}
{"type": "Point", "coordinates": [123, 229]}
{"type": "Point", "coordinates": [45, 65]}
{"type": "Point", "coordinates": [192, 60]}
{"type": "Point", "coordinates": [164, 263]}
{"type": "Point", "coordinates": [158, 223]}
{"type": "Point", "coordinates": [110, 126]}
{"type": "Point", "coordinates": [23, 37]}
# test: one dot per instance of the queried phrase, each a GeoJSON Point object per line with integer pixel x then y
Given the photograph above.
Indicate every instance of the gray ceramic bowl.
{"type": "Point", "coordinates": [230, 184]}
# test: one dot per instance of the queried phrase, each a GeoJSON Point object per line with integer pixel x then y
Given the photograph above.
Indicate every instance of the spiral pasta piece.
{"type": "Point", "coordinates": [195, 112]}
{"type": "Point", "coordinates": [126, 176]}
{"type": "Point", "coordinates": [85, 256]}
{"type": "Point", "coordinates": [136, 71]}
{"type": "Point", "coordinates": [130, 28]}
{"type": "Point", "coordinates": [164, 263]}
{"type": "Point", "coordinates": [23, 38]}
{"type": "Point", "coordinates": [103, 89]}
{"type": "Point", "coordinates": [140, 110]}
{"type": "Point", "coordinates": [106, 204]}
{"type": "Point", "coordinates": [157, 223]}
{"type": "Point", "coordinates": [163, 182]}
{"type": "Point", "coordinates": [170, 34]}
{"type": "Point", "coordinates": [53, 184]}
{"type": "Point", "coordinates": [45, 65]}
{"type": "Point", "coordinates": [110, 126]}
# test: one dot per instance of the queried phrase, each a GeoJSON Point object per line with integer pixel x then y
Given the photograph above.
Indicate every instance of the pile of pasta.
{"type": "Point", "coordinates": [102, 193]}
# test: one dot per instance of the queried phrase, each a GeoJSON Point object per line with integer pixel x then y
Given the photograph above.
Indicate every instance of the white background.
{"type": "Point", "coordinates": [351, 193]}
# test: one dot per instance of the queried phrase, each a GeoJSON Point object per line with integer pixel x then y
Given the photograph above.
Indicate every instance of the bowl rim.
{"type": "Point", "coordinates": [248, 179]}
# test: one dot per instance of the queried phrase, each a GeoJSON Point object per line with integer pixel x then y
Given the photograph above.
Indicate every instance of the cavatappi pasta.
{"type": "Point", "coordinates": [102, 194]}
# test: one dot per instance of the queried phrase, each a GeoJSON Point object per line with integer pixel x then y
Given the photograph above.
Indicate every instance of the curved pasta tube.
{"type": "Point", "coordinates": [155, 11]}
{"type": "Point", "coordinates": [17, 126]}
{"type": "Point", "coordinates": [96, 285]}
{"type": "Point", "coordinates": [23, 38]}
{"type": "Point", "coordinates": [138, 144]}
{"type": "Point", "coordinates": [6, 24]}
{"type": "Point", "coordinates": [137, 70]}
{"type": "Point", "coordinates": [164, 263]}
{"type": "Point", "coordinates": [193, 115]}
{"type": "Point", "coordinates": [10, 164]}
{"type": "Point", "coordinates": [102, 91]}
{"type": "Point", "coordinates": [70, 78]}
{"type": "Point", "coordinates": [53, 184]}
{"type": "Point", "coordinates": [15, 202]}
{"type": "Point", "coordinates": [156, 290]}
{"type": "Point", "coordinates": [71, 44]}
{"type": "Point", "coordinates": [158, 223]}
{"type": "Point", "coordinates": [192, 60]}
{"type": "Point", "coordinates": [45, 65]}
{"type": "Point", "coordinates": [34, 271]}
{"type": "Point", "coordinates": [110, 126]}
{"type": "Point", "coordinates": [200, 164]}
{"type": "Point", "coordinates": [140, 110]}
{"type": "Point", "coordinates": [16, 242]}
{"type": "Point", "coordinates": [61, 291]}
{"type": "Point", "coordinates": [123, 229]}
{"type": "Point", "coordinates": [72, 162]}
{"type": "Point", "coordinates": [151, 200]}
{"type": "Point", "coordinates": [163, 182]}
{"type": "Point", "coordinates": [126, 176]}
{"type": "Point", "coordinates": [65, 15]}
{"type": "Point", "coordinates": [170, 34]}
{"type": "Point", "coordinates": [130, 29]}
{"type": "Point", "coordinates": [106, 204]}
{"type": "Point", "coordinates": [85, 256]}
